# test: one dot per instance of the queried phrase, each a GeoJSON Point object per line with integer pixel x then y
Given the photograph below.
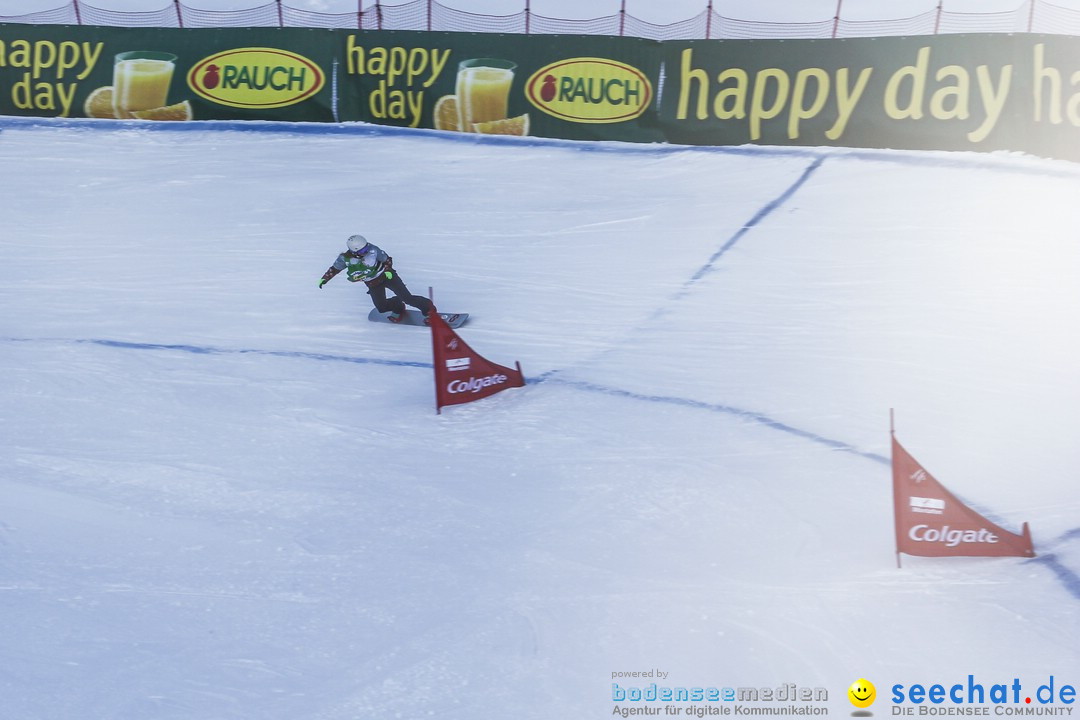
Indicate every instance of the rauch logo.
{"type": "Point", "coordinates": [590, 90]}
{"type": "Point", "coordinates": [256, 78]}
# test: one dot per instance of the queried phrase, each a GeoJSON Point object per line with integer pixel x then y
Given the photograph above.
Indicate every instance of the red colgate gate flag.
{"type": "Point", "coordinates": [931, 522]}
{"type": "Point", "coordinates": [461, 374]}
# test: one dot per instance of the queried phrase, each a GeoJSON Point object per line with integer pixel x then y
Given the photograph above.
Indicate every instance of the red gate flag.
{"type": "Point", "coordinates": [931, 522]}
{"type": "Point", "coordinates": [461, 374]}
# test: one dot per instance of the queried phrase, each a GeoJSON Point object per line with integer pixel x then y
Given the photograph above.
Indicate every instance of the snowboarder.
{"type": "Point", "coordinates": [366, 262]}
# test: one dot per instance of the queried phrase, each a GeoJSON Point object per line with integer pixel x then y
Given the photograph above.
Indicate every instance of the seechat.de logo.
{"type": "Point", "coordinates": [256, 78]}
{"type": "Point", "coordinates": [590, 90]}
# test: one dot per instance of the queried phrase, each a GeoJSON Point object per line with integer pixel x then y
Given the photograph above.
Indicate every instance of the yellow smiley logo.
{"type": "Point", "coordinates": [862, 693]}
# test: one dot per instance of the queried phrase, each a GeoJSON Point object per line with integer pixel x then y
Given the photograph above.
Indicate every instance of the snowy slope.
{"type": "Point", "coordinates": [224, 494]}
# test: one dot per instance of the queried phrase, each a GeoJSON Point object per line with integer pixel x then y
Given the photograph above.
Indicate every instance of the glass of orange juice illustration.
{"type": "Point", "coordinates": [141, 81]}
{"type": "Point", "coordinates": [483, 90]}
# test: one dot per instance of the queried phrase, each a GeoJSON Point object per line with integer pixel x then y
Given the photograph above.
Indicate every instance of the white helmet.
{"type": "Point", "coordinates": [356, 244]}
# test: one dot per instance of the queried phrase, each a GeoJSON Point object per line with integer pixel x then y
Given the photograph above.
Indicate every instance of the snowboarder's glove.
{"type": "Point", "coordinates": [328, 275]}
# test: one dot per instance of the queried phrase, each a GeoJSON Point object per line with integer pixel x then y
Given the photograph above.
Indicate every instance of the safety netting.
{"type": "Point", "coordinates": [1018, 20]}
{"type": "Point", "coordinates": [1037, 16]}
{"type": "Point", "coordinates": [1048, 18]}
{"type": "Point", "coordinates": [922, 24]}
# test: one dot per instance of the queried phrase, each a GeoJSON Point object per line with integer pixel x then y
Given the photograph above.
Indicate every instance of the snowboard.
{"type": "Point", "coordinates": [413, 317]}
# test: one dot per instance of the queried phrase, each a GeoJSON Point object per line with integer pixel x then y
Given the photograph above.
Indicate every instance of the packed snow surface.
{"type": "Point", "coordinates": [224, 494]}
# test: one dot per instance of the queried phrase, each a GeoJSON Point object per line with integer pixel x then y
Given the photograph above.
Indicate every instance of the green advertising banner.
{"type": "Point", "coordinates": [165, 73]}
{"type": "Point", "coordinates": [952, 92]}
{"type": "Point", "coordinates": [961, 92]}
{"type": "Point", "coordinates": [576, 87]}
{"type": "Point", "coordinates": [568, 86]}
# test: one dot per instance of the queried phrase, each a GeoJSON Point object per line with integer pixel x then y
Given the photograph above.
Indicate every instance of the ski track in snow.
{"type": "Point", "coordinates": [1069, 579]}
{"type": "Point", "coordinates": [522, 626]}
